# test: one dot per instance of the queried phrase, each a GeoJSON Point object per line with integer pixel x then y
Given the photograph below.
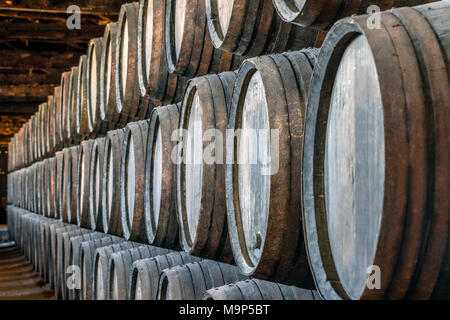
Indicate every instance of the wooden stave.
{"type": "Point", "coordinates": [101, 260]}
{"type": "Point", "coordinates": [138, 131]}
{"type": "Point", "coordinates": [108, 109]}
{"type": "Point", "coordinates": [166, 234]}
{"type": "Point", "coordinates": [51, 124]}
{"type": "Point", "coordinates": [150, 269]}
{"type": "Point", "coordinates": [59, 156]}
{"type": "Point", "coordinates": [395, 249]}
{"type": "Point", "coordinates": [287, 263]}
{"type": "Point", "coordinates": [112, 224]}
{"type": "Point", "coordinates": [73, 92]}
{"type": "Point", "coordinates": [119, 267]}
{"type": "Point", "coordinates": [193, 279]}
{"type": "Point", "coordinates": [65, 197]}
{"type": "Point", "coordinates": [321, 15]}
{"type": "Point", "coordinates": [85, 261]}
{"type": "Point", "coordinates": [127, 104]}
{"type": "Point", "coordinates": [97, 155]}
{"type": "Point", "coordinates": [74, 152]}
{"type": "Point", "coordinates": [155, 88]}
{"type": "Point", "coordinates": [58, 119]}
{"type": "Point", "coordinates": [83, 171]}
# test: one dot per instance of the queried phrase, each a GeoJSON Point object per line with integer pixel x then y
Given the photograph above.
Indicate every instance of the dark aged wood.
{"type": "Point", "coordinates": [86, 259]}
{"type": "Point", "coordinates": [100, 267]}
{"type": "Point", "coordinates": [112, 215]}
{"type": "Point", "coordinates": [96, 184]}
{"type": "Point", "coordinates": [266, 234]}
{"type": "Point", "coordinates": [144, 274]}
{"type": "Point", "coordinates": [191, 281]}
{"type": "Point", "coordinates": [74, 160]}
{"type": "Point", "coordinates": [161, 224]}
{"type": "Point", "coordinates": [201, 210]}
{"type": "Point", "coordinates": [256, 289]}
{"type": "Point", "coordinates": [58, 138]}
{"type": "Point", "coordinates": [252, 28]}
{"type": "Point", "coordinates": [83, 194]}
{"type": "Point", "coordinates": [119, 267]}
{"type": "Point", "coordinates": [322, 14]}
{"type": "Point", "coordinates": [151, 56]}
{"type": "Point", "coordinates": [66, 186]}
{"type": "Point", "coordinates": [132, 180]}
{"type": "Point", "coordinates": [189, 49]}
{"type": "Point", "coordinates": [51, 125]}
{"type": "Point", "coordinates": [108, 109]}
{"type": "Point", "coordinates": [65, 108]}
{"type": "Point", "coordinates": [81, 113]}
{"type": "Point", "coordinates": [402, 126]}
{"type": "Point", "coordinates": [59, 184]}
{"type": "Point", "coordinates": [93, 83]}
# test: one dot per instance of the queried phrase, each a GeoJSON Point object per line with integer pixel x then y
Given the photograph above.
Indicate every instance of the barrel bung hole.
{"type": "Point", "coordinates": [354, 165]}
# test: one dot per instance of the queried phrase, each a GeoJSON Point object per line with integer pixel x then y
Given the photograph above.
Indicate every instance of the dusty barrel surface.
{"type": "Point", "coordinates": [191, 281]}
{"type": "Point", "coordinates": [58, 136]}
{"type": "Point", "coordinates": [73, 136]}
{"type": "Point", "coordinates": [86, 260]}
{"type": "Point", "coordinates": [83, 190]}
{"type": "Point", "coordinates": [256, 289]}
{"type": "Point", "coordinates": [132, 180]}
{"type": "Point", "coordinates": [74, 202]}
{"type": "Point", "coordinates": [201, 165]}
{"type": "Point", "coordinates": [100, 267]}
{"type": "Point", "coordinates": [144, 274]}
{"type": "Point", "coordinates": [322, 14]}
{"type": "Point", "coordinates": [51, 125]}
{"type": "Point", "coordinates": [96, 184]}
{"type": "Point", "coordinates": [189, 50]}
{"type": "Point", "coordinates": [59, 184]}
{"type": "Point", "coordinates": [112, 214]}
{"type": "Point", "coordinates": [66, 185]}
{"type": "Point", "coordinates": [81, 112]}
{"type": "Point", "coordinates": [93, 83]}
{"type": "Point", "coordinates": [108, 106]}
{"type": "Point", "coordinates": [253, 27]}
{"type": "Point", "coordinates": [373, 161]}
{"type": "Point", "coordinates": [65, 108]}
{"type": "Point", "coordinates": [119, 267]}
{"type": "Point", "coordinates": [126, 86]}
{"type": "Point", "coordinates": [264, 159]}
{"type": "Point", "coordinates": [161, 224]}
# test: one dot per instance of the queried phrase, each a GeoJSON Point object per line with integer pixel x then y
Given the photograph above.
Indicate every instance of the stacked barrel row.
{"type": "Point", "coordinates": [81, 264]}
{"type": "Point", "coordinates": [321, 170]}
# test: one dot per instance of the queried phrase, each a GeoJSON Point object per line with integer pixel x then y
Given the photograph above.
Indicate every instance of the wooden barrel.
{"type": "Point", "coordinates": [52, 188]}
{"type": "Point", "coordinates": [200, 167]}
{"type": "Point", "coordinates": [126, 86]}
{"type": "Point", "coordinates": [59, 184]}
{"type": "Point", "coordinates": [51, 125]}
{"type": "Point", "coordinates": [112, 215]}
{"type": "Point", "coordinates": [264, 159]}
{"type": "Point", "coordinates": [42, 129]}
{"type": "Point", "coordinates": [152, 69]}
{"type": "Point", "coordinates": [256, 289]}
{"type": "Point", "coordinates": [132, 180]}
{"type": "Point", "coordinates": [119, 268]}
{"type": "Point", "coordinates": [38, 187]}
{"type": "Point", "coordinates": [96, 184]}
{"type": "Point", "coordinates": [73, 93]}
{"type": "Point", "coordinates": [100, 267]}
{"type": "Point", "coordinates": [34, 155]}
{"type": "Point", "coordinates": [94, 59]}
{"type": "Point", "coordinates": [191, 281]}
{"type": "Point", "coordinates": [74, 257]}
{"type": "Point", "coordinates": [65, 107]}
{"type": "Point", "coordinates": [86, 262]}
{"type": "Point", "coordinates": [189, 49]}
{"type": "Point", "coordinates": [66, 257]}
{"type": "Point", "coordinates": [83, 185]}
{"type": "Point", "coordinates": [74, 160]}
{"type": "Point", "coordinates": [81, 113]}
{"type": "Point", "coordinates": [45, 188]}
{"type": "Point", "coordinates": [58, 119]}
{"type": "Point", "coordinates": [252, 28]}
{"type": "Point", "coordinates": [57, 256]}
{"type": "Point", "coordinates": [322, 14]}
{"type": "Point", "coordinates": [66, 187]}
{"type": "Point", "coordinates": [144, 274]}
{"type": "Point", "coordinates": [108, 109]}
{"type": "Point", "coordinates": [160, 213]}
{"type": "Point", "coordinates": [370, 167]}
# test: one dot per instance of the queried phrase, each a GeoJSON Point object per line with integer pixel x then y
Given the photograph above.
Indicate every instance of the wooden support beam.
{"type": "Point", "coordinates": [51, 32]}
{"type": "Point", "coordinates": [19, 108]}
{"type": "Point", "coordinates": [24, 92]}
{"type": "Point", "coordinates": [33, 78]}
{"type": "Point", "coordinates": [37, 60]}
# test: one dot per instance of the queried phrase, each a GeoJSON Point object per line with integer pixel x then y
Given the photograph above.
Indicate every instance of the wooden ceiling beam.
{"type": "Point", "coordinates": [25, 92]}
{"type": "Point", "coordinates": [27, 78]}
{"type": "Point", "coordinates": [37, 60]}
